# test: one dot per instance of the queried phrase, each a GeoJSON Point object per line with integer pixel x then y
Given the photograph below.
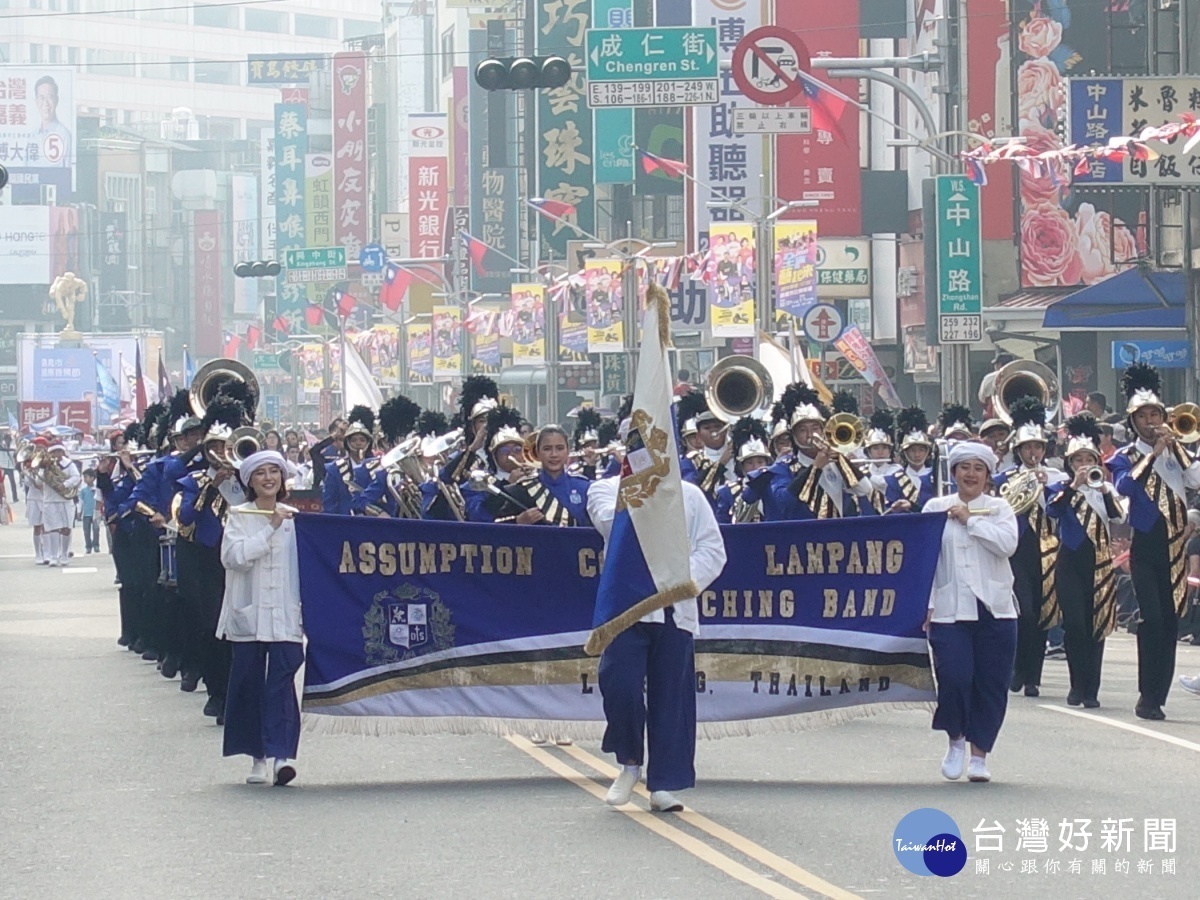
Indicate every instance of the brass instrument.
{"type": "Point", "coordinates": [843, 434]}
{"type": "Point", "coordinates": [529, 454]}
{"type": "Point", "coordinates": [1184, 422]}
{"type": "Point", "coordinates": [215, 373]}
{"type": "Point", "coordinates": [739, 386]}
{"type": "Point", "coordinates": [1095, 477]}
{"type": "Point", "coordinates": [117, 455]}
{"type": "Point", "coordinates": [1021, 491]}
{"type": "Point", "coordinates": [1025, 378]}
{"type": "Point", "coordinates": [55, 477]}
{"type": "Point", "coordinates": [445, 444]}
{"type": "Point", "coordinates": [404, 460]}
{"type": "Point", "coordinates": [243, 443]}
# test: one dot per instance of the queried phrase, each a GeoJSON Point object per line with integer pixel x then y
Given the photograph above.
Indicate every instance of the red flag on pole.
{"type": "Point", "coordinates": [139, 387]}
{"type": "Point", "coordinates": [395, 285]}
{"type": "Point", "coordinates": [345, 303]}
{"type": "Point", "coordinates": [314, 315]}
{"type": "Point", "coordinates": [281, 325]}
{"type": "Point", "coordinates": [552, 209]}
{"type": "Point", "coordinates": [253, 333]}
{"type": "Point", "coordinates": [652, 163]}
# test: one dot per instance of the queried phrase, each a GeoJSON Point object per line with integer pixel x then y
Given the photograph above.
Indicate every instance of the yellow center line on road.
{"type": "Point", "coordinates": [1136, 729]}
{"type": "Point", "coordinates": [659, 825]}
{"type": "Point", "coordinates": [743, 845]}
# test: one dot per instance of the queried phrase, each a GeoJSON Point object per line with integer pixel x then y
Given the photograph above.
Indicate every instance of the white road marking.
{"type": "Point", "coordinates": [1136, 729]}
{"type": "Point", "coordinates": [86, 570]}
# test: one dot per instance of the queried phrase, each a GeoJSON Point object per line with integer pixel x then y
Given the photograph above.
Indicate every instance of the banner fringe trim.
{"type": "Point", "coordinates": [387, 726]}
{"type": "Point", "coordinates": [604, 635]}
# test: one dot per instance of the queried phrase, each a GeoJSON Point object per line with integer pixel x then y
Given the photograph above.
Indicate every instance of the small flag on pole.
{"type": "Point", "coordinates": [552, 209]}
{"type": "Point", "coordinates": [345, 303]}
{"type": "Point", "coordinates": [164, 381]}
{"type": "Point", "coordinates": [189, 367]}
{"type": "Point", "coordinates": [395, 285]}
{"type": "Point", "coordinates": [652, 162]}
{"type": "Point", "coordinates": [139, 384]}
{"type": "Point", "coordinates": [253, 333]}
{"type": "Point", "coordinates": [281, 325]}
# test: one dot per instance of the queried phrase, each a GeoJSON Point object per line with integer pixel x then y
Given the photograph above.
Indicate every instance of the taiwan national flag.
{"type": "Point", "coordinates": [253, 333]}
{"type": "Point", "coordinates": [827, 107]}
{"type": "Point", "coordinates": [552, 209]}
{"type": "Point", "coordinates": [395, 285]}
{"type": "Point", "coordinates": [344, 302]}
{"type": "Point", "coordinates": [652, 163]}
{"type": "Point", "coordinates": [280, 324]}
{"type": "Point", "coordinates": [484, 257]}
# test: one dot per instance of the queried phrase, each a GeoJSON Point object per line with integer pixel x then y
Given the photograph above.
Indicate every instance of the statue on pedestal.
{"type": "Point", "coordinates": [67, 291]}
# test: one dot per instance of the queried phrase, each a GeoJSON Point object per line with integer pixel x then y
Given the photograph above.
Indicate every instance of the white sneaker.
{"type": "Point", "coordinates": [622, 789]}
{"type": "Point", "coordinates": [284, 772]}
{"type": "Point", "coordinates": [1190, 683]}
{"type": "Point", "coordinates": [563, 741]}
{"type": "Point", "coordinates": [258, 772]}
{"type": "Point", "coordinates": [664, 801]}
{"type": "Point", "coordinates": [977, 769]}
{"type": "Point", "coordinates": [955, 760]}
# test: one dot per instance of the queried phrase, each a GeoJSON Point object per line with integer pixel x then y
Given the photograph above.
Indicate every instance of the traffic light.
{"type": "Point", "coordinates": [522, 73]}
{"type": "Point", "coordinates": [258, 269]}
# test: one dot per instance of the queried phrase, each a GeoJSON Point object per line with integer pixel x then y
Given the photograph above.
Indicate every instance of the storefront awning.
{"type": "Point", "coordinates": [1024, 310]}
{"type": "Point", "coordinates": [1133, 300]}
{"type": "Point", "coordinates": [518, 376]}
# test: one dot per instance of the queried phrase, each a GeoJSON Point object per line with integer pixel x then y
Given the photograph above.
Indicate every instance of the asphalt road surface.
{"type": "Point", "coordinates": [112, 784]}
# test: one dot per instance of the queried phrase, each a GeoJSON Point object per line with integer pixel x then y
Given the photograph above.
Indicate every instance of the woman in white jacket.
{"type": "Point", "coordinates": [972, 618]}
{"type": "Point", "coordinates": [261, 616]}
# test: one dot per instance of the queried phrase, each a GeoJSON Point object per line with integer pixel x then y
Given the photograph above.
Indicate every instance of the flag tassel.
{"type": "Point", "coordinates": [603, 635]}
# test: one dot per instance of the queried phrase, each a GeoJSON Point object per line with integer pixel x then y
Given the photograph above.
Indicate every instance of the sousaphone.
{"type": "Point", "coordinates": [216, 373]}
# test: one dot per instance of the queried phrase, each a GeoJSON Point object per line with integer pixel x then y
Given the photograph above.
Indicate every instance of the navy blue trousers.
{"type": "Point", "coordinates": [262, 715]}
{"type": "Point", "coordinates": [973, 662]}
{"type": "Point", "coordinates": [648, 681]}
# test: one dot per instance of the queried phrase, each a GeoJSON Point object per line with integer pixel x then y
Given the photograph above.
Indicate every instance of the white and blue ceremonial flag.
{"type": "Point", "coordinates": [189, 368]}
{"type": "Point", "coordinates": [647, 560]}
{"type": "Point", "coordinates": [108, 392]}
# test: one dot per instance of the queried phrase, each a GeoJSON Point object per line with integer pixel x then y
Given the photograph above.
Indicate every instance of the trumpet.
{"type": "Point", "coordinates": [1184, 422]}
{"type": "Point", "coordinates": [843, 434]}
{"type": "Point", "coordinates": [1094, 477]}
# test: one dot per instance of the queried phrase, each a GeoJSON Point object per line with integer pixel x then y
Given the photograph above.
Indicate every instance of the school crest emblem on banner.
{"type": "Point", "coordinates": [404, 622]}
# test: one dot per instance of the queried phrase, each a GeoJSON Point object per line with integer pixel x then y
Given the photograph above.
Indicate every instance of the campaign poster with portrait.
{"type": "Point", "coordinates": [528, 324]}
{"type": "Point", "coordinates": [729, 272]}
{"type": "Point", "coordinates": [311, 361]}
{"type": "Point", "coordinates": [447, 342]}
{"type": "Point", "coordinates": [485, 358]}
{"type": "Point", "coordinates": [602, 288]}
{"type": "Point", "coordinates": [420, 353]}
{"type": "Point", "coordinates": [795, 267]}
{"type": "Point", "coordinates": [37, 131]}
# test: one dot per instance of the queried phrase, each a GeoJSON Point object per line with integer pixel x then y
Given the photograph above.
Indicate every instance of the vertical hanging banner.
{"type": "Point", "coordinates": [428, 166]}
{"type": "Point", "coordinates": [114, 262]}
{"type": "Point", "coordinates": [460, 139]}
{"type": "Point", "coordinates": [447, 342]}
{"type": "Point", "coordinates": [267, 207]}
{"type": "Point", "coordinates": [529, 324]}
{"type": "Point", "coordinates": [243, 233]}
{"type": "Point", "coordinates": [795, 267]}
{"type": "Point", "coordinates": [823, 165]}
{"type": "Point", "coordinates": [291, 147]}
{"type": "Point", "coordinates": [493, 189]}
{"type": "Point", "coordinates": [730, 272]}
{"type": "Point", "coordinates": [571, 303]}
{"type": "Point", "coordinates": [565, 152]}
{"type": "Point", "coordinates": [602, 284]}
{"type": "Point", "coordinates": [318, 175]}
{"type": "Point", "coordinates": [420, 354]}
{"type": "Point", "coordinates": [350, 151]}
{"type": "Point", "coordinates": [731, 163]}
{"type": "Point", "coordinates": [206, 273]}
{"type": "Point", "coordinates": [485, 358]}
{"type": "Point", "coordinates": [854, 345]}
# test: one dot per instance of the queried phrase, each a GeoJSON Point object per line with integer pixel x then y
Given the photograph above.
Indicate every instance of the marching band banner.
{"type": "Point", "coordinates": [605, 329]}
{"type": "Point", "coordinates": [729, 271]}
{"type": "Point", "coordinates": [529, 324]}
{"type": "Point", "coordinates": [447, 342]}
{"type": "Point", "coordinates": [425, 626]}
{"type": "Point", "coordinates": [795, 267]}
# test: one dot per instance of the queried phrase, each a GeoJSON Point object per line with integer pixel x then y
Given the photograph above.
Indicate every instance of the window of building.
{"type": "Point", "coordinates": [356, 28]}
{"type": "Point", "coordinates": [171, 12]}
{"type": "Point", "coordinates": [447, 54]}
{"type": "Point", "coordinates": [167, 68]}
{"type": "Point", "coordinates": [266, 20]}
{"type": "Point", "coordinates": [53, 54]}
{"type": "Point", "coordinates": [218, 72]}
{"type": "Point", "coordinates": [35, 53]}
{"type": "Point", "coordinates": [180, 68]}
{"type": "Point", "coordinates": [5, 50]}
{"type": "Point", "coordinates": [73, 56]}
{"type": "Point", "coordinates": [110, 62]}
{"type": "Point", "coordinates": [316, 26]}
{"type": "Point", "coordinates": [216, 16]}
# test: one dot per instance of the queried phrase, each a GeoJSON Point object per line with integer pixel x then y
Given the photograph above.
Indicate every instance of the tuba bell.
{"type": "Point", "coordinates": [1184, 422]}
{"type": "Point", "coordinates": [1025, 378]}
{"type": "Point", "coordinates": [739, 386]}
{"type": "Point", "coordinates": [215, 373]}
{"type": "Point", "coordinates": [244, 443]}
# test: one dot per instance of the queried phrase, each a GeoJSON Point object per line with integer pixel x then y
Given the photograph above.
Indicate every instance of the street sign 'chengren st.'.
{"type": "Point", "coordinates": [652, 66]}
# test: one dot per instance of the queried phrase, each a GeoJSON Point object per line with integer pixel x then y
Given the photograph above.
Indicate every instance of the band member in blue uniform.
{"type": "Point", "coordinates": [954, 424]}
{"type": "Point", "coordinates": [345, 477]}
{"type": "Point", "coordinates": [827, 484]}
{"type": "Point", "coordinates": [1155, 473]}
{"type": "Point", "coordinates": [586, 441]}
{"type": "Point", "coordinates": [206, 497]}
{"type": "Point", "coordinates": [748, 437]}
{"type": "Point", "coordinates": [912, 486]}
{"type": "Point", "coordinates": [551, 496]}
{"type": "Point", "coordinates": [878, 451]}
{"type": "Point", "coordinates": [506, 465]}
{"type": "Point", "coordinates": [480, 395]}
{"type": "Point", "coordinates": [769, 486]}
{"type": "Point", "coordinates": [711, 454]}
{"type": "Point", "coordinates": [1084, 507]}
{"type": "Point", "coordinates": [116, 477]}
{"type": "Point", "coordinates": [143, 542]}
{"type": "Point", "coordinates": [1037, 546]}
{"type": "Point", "coordinates": [392, 492]}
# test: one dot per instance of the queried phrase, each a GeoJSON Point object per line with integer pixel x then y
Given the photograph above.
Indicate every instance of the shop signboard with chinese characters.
{"type": "Point", "coordinates": [960, 283]}
{"type": "Point", "coordinates": [652, 66]}
{"type": "Point", "coordinates": [315, 265]}
{"type": "Point", "coordinates": [113, 260]}
{"type": "Point", "coordinates": [1104, 108]}
{"type": "Point", "coordinates": [564, 142]}
{"type": "Point", "coordinates": [772, 120]}
{"type": "Point", "coordinates": [350, 151]}
{"type": "Point", "coordinates": [282, 68]}
{"type": "Point", "coordinates": [843, 268]}
{"type": "Point", "coordinates": [428, 171]}
{"type": "Point", "coordinates": [207, 280]}
{"type": "Point", "coordinates": [291, 146]}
